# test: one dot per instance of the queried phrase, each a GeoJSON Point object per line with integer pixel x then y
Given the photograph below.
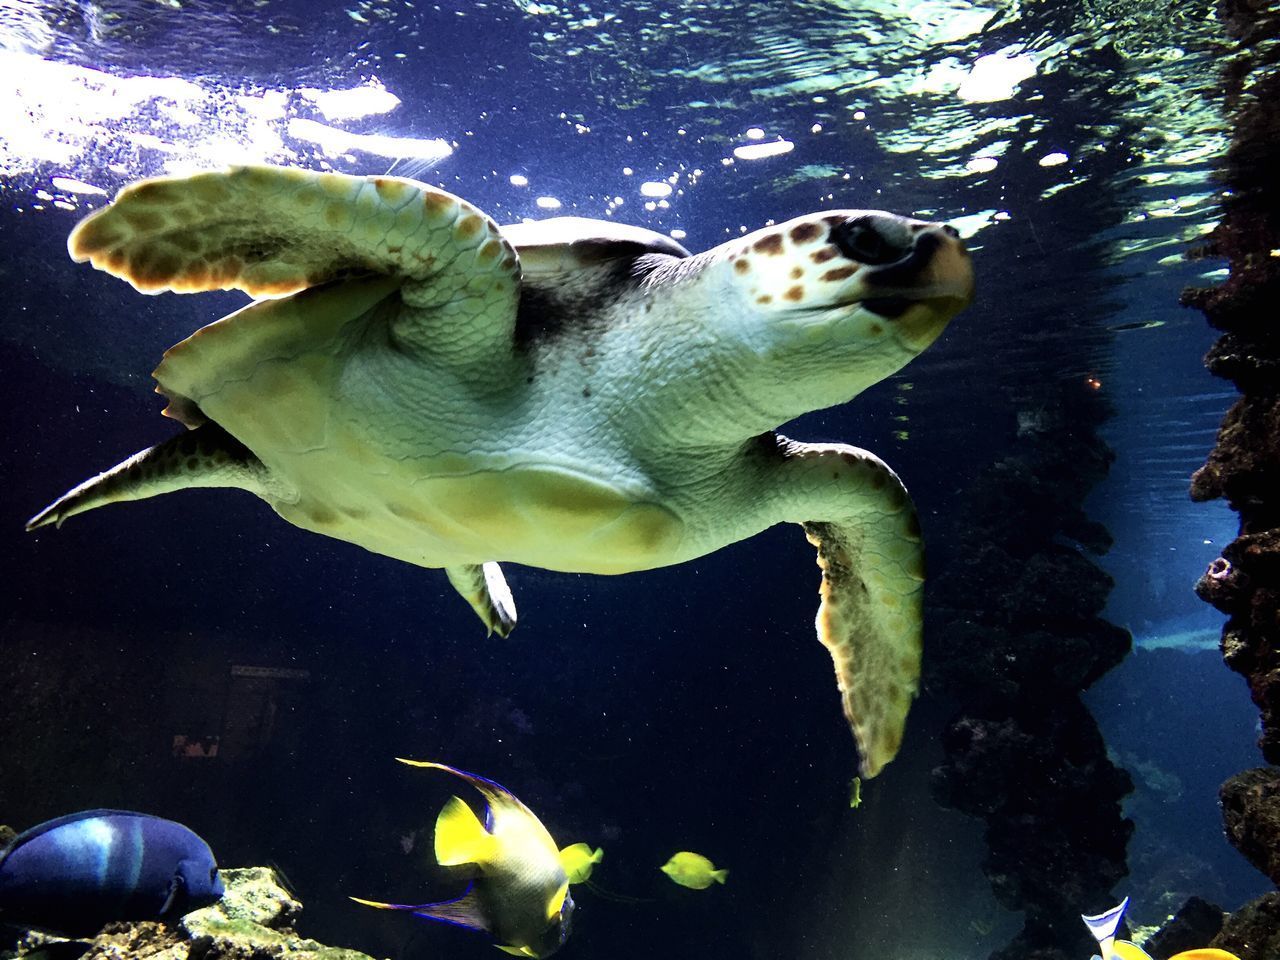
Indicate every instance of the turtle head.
{"type": "Point", "coordinates": [834, 302]}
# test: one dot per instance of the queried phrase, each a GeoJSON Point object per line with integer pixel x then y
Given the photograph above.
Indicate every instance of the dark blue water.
{"type": "Point", "coordinates": [686, 708]}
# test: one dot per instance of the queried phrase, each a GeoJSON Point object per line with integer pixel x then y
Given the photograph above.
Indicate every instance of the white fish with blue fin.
{"type": "Point", "coordinates": [519, 892]}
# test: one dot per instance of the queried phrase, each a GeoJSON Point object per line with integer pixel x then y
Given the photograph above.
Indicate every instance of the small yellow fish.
{"type": "Point", "coordinates": [855, 793]}
{"type": "Point", "coordinates": [693, 870]}
{"type": "Point", "coordinates": [578, 860]}
{"type": "Point", "coordinates": [520, 892]}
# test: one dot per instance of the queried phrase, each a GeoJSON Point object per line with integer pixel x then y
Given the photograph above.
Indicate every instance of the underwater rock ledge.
{"type": "Point", "coordinates": [1251, 813]}
{"type": "Point", "coordinates": [1017, 633]}
{"type": "Point", "coordinates": [253, 921]}
{"type": "Point", "coordinates": [1244, 466]}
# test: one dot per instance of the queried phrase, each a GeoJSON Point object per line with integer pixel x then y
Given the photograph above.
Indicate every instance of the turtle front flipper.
{"type": "Point", "coordinates": [855, 510]}
{"type": "Point", "coordinates": [271, 231]}
{"type": "Point", "coordinates": [485, 588]}
{"type": "Point", "coordinates": [207, 456]}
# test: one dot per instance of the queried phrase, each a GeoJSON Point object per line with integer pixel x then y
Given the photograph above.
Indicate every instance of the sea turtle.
{"type": "Point", "coordinates": [570, 394]}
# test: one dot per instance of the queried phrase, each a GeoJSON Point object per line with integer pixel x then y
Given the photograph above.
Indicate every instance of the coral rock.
{"type": "Point", "coordinates": [1253, 931]}
{"type": "Point", "coordinates": [253, 921]}
{"type": "Point", "coordinates": [1195, 924]}
{"type": "Point", "coordinates": [1251, 814]}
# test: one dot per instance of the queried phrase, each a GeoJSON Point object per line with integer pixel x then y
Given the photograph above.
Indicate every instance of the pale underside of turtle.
{"type": "Point", "coordinates": [569, 394]}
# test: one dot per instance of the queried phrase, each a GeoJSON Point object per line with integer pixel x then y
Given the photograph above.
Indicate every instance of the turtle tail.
{"type": "Point", "coordinates": [207, 456]}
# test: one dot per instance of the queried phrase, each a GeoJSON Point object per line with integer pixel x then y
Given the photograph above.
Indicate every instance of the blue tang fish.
{"type": "Point", "coordinates": [74, 874]}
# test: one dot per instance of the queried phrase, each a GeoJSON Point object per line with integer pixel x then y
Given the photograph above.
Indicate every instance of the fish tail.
{"type": "Point", "coordinates": [1104, 925]}
{"type": "Point", "coordinates": [720, 875]}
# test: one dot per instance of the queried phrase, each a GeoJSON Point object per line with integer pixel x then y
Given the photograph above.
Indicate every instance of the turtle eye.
{"type": "Point", "coordinates": [859, 240]}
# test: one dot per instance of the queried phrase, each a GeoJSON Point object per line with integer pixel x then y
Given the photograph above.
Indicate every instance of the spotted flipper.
{"type": "Point", "coordinates": [484, 587]}
{"type": "Point", "coordinates": [271, 231]}
{"type": "Point", "coordinates": [207, 456]}
{"type": "Point", "coordinates": [855, 510]}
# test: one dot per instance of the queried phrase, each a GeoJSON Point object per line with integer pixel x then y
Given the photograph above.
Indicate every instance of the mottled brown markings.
{"type": "Point", "coordinates": [840, 273]}
{"type": "Point", "coordinates": [797, 273]}
{"type": "Point", "coordinates": [834, 220]}
{"type": "Point", "coordinates": [823, 255]}
{"type": "Point", "coordinates": [143, 221]}
{"type": "Point", "coordinates": [186, 241]}
{"type": "Point", "coordinates": [469, 226]}
{"type": "Point", "coordinates": [388, 189]}
{"type": "Point", "coordinates": [804, 232]}
{"type": "Point", "coordinates": [876, 329]}
{"type": "Point", "coordinates": [149, 191]}
{"type": "Point", "coordinates": [741, 266]}
{"type": "Point", "coordinates": [913, 526]}
{"type": "Point", "coordinates": [795, 294]}
{"type": "Point", "coordinates": [770, 245]}
{"type": "Point", "coordinates": [436, 204]}
{"type": "Point", "coordinates": [764, 299]}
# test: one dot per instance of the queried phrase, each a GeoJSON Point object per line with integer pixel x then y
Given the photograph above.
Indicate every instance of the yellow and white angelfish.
{"type": "Point", "coordinates": [1103, 926]}
{"type": "Point", "coordinates": [519, 893]}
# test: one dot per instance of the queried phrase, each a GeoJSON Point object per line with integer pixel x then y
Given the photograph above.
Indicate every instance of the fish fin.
{"type": "Point", "coordinates": [1103, 926]}
{"type": "Point", "coordinates": [1125, 950]}
{"type": "Point", "coordinates": [557, 900]}
{"type": "Point", "coordinates": [493, 791]}
{"type": "Point", "coordinates": [176, 886]}
{"type": "Point", "coordinates": [1205, 953]}
{"type": "Point", "coordinates": [515, 951]}
{"type": "Point", "coordinates": [720, 875]}
{"type": "Point", "coordinates": [385, 906]}
{"type": "Point", "coordinates": [460, 837]}
{"type": "Point", "coordinates": [465, 911]}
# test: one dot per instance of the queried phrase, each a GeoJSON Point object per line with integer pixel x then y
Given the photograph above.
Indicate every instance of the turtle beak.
{"type": "Point", "coordinates": [924, 288]}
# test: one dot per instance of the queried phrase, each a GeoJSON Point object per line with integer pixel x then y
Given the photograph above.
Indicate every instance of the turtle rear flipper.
{"type": "Point", "coordinates": [485, 588]}
{"type": "Point", "coordinates": [207, 456]}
